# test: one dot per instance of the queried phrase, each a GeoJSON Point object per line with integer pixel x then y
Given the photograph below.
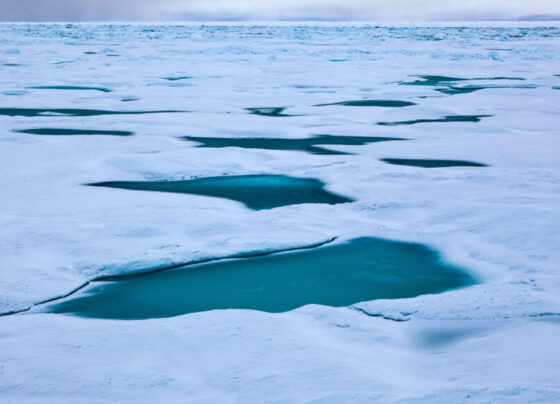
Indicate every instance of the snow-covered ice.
{"type": "Point", "coordinates": [496, 341]}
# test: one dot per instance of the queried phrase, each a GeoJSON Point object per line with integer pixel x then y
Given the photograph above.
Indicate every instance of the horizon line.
{"type": "Point", "coordinates": [556, 19]}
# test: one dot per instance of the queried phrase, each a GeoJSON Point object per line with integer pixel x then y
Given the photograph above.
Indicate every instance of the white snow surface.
{"type": "Point", "coordinates": [493, 342]}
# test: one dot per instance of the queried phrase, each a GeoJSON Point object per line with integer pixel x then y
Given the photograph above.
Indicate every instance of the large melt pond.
{"type": "Point", "coordinates": [336, 275]}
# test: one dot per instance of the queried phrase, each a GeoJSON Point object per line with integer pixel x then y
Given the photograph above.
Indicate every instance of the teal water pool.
{"type": "Point", "coordinates": [309, 145]}
{"type": "Point", "coordinates": [75, 88]}
{"type": "Point", "coordinates": [449, 118]}
{"type": "Point", "coordinates": [255, 191]}
{"type": "Point", "coordinates": [74, 132]}
{"type": "Point", "coordinates": [371, 103]}
{"type": "Point", "coordinates": [43, 112]}
{"type": "Point", "coordinates": [341, 274]}
{"type": "Point", "coordinates": [427, 163]}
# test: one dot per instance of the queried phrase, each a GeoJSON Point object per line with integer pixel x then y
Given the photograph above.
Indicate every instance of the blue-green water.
{"type": "Point", "coordinates": [432, 80]}
{"type": "Point", "coordinates": [255, 191]}
{"type": "Point", "coordinates": [371, 103]}
{"type": "Point", "coordinates": [425, 163]}
{"type": "Point", "coordinates": [178, 78]}
{"type": "Point", "coordinates": [268, 111]}
{"type": "Point", "coordinates": [448, 85]}
{"type": "Point", "coordinates": [309, 145]}
{"type": "Point", "coordinates": [453, 90]}
{"type": "Point", "coordinates": [336, 275]}
{"type": "Point", "coordinates": [32, 112]}
{"type": "Point", "coordinates": [449, 118]}
{"type": "Point", "coordinates": [74, 132]}
{"type": "Point", "coordinates": [75, 88]}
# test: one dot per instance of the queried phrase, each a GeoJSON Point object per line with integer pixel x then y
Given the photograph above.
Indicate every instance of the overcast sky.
{"type": "Point", "coordinates": [375, 10]}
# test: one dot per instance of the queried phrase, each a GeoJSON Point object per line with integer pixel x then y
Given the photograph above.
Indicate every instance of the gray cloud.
{"type": "Point", "coordinates": [375, 10]}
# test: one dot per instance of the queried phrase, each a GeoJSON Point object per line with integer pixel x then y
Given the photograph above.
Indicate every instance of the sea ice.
{"type": "Point", "coordinates": [496, 341]}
